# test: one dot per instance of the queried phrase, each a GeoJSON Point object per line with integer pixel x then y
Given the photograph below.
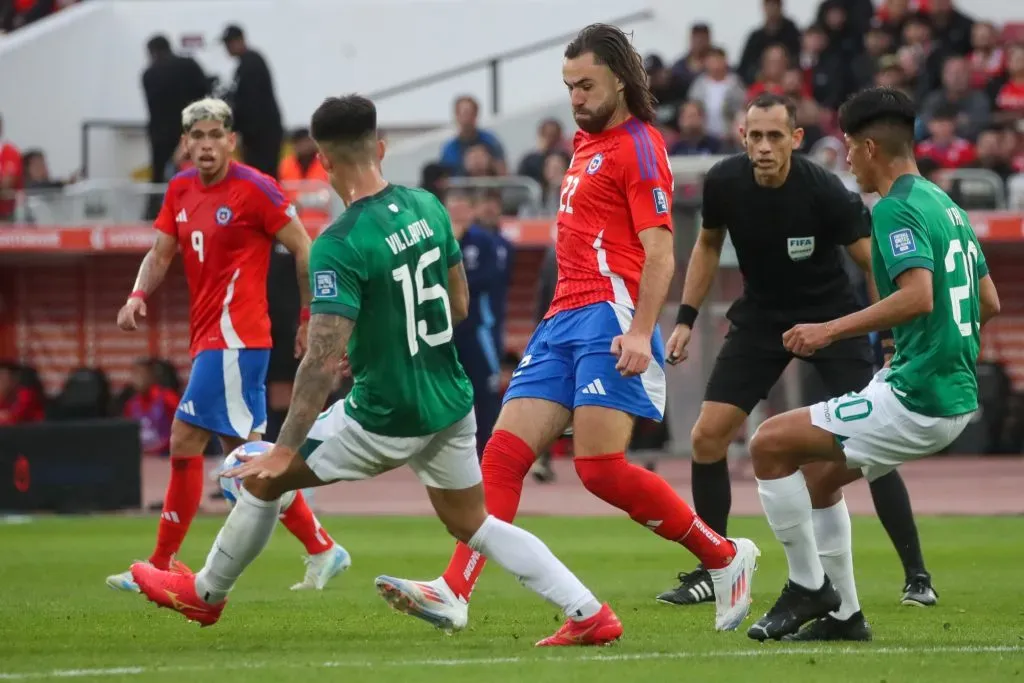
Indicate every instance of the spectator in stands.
{"type": "Point", "coordinates": [550, 138]}
{"type": "Point", "coordinates": [1010, 98]}
{"type": "Point", "coordinates": [1012, 146]}
{"type": "Point", "coordinates": [467, 111]}
{"type": "Point", "coordinates": [11, 175]}
{"type": "Point", "coordinates": [735, 141]}
{"type": "Point", "coordinates": [774, 64]}
{"type": "Point", "coordinates": [951, 27]}
{"type": "Point", "coordinates": [153, 407]}
{"type": "Point", "coordinates": [19, 404]}
{"type": "Point", "coordinates": [776, 30]}
{"type": "Point", "coordinates": [808, 117]}
{"type": "Point", "coordinates": [434, 178]}
{"type": "Point", "coordinates": [668, 90]}
{"type": "Point", "coordinates": [824, 67]}
{"type": "Point", "coordinates": [866, 64]}
{"type": "Point", "coordinates": [841, 35]}
{"type": "Point", "coordinates": [987, 58]}
{"type": "Point", "coordinates": [478, 163]}
{"type": "Point", "coordinates": [691, 65]}
{"type": "Point", "coordinates": [170, 83]}
{"type": "Point", "coordinates": [37, 173]}
{"type": "Point", "coordinates": [943, 145]}
{"type": "Point", "coordinates": [305, 181]}
{"type": "Point", "coordinates": [971, 107]}
{"type": "Point", "coordinates": [859, 15]}
{"type": "Point", "coordinates": [17, 13]}
{"type": "Point", "coordinates": [794, 85]}
{"type": "Point", "coordinates": [254, 104]}
{"type": "Point", "coordinates": [693, 136]}
{"type": "Point", "coordinates": [929, 53]}
{"type": "Point", "coordinates": [892, 15]}
{"type": "Point", "coordinates": [891, 75]}
{"type": "Point", "coordinates": [720, 92]}
{"type": "Point", "coordinates": [990, 156]}
{"type": "Point", "coordinates": [555, 166]}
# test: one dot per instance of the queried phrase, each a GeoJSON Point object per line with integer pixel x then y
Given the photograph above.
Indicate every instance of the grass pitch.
{"type": "Point", "coordinates": [58, 620]}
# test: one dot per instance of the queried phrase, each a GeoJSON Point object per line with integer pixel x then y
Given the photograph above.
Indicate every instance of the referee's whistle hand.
{"type": "Point", "coordinates": [675, 349]}
{"type": "Point", "coordinates": [633, 352]}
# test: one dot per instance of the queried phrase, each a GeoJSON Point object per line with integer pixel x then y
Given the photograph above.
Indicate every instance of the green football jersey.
{"type": "Point", "coordinates": [384, 264]}
{"type": "Point", "coordinates": [917, 225]}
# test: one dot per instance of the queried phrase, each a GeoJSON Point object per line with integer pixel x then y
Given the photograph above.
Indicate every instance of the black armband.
{"type": "Point", "coordinates": [686, 315]}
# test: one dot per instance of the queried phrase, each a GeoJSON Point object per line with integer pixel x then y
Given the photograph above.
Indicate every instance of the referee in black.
{"type": "Point", "coordinates": [789, 220]}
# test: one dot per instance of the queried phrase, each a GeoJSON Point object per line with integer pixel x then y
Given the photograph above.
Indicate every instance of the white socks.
{"type": "Point", "coordinates": [787, 505]}
{"type": "Point", "coordinates": [527, 558]}
{"type": "Point", "coordinates": [835, 548]}
{"type": "Point", "coordinates": [242, 538]}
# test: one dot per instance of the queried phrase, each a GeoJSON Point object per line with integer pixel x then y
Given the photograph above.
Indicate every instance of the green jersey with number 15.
{"type": "Point", "coordinates": [384, 264]}
{"type": "Point", "coordinates": [917, 225]}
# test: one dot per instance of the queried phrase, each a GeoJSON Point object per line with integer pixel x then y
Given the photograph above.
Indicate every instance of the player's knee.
{"type": "Point", "coordinates": [767, 446]}
{"type": "Point", "coordinates": [264, 489]}
{"type": "Point", "coordinates": [187, 439]}
{"type": "Point", "coordinates": [710, 443]}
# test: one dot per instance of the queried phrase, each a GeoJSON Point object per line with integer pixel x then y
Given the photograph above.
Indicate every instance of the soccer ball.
{"type": "Point", "coordinates": [231, 486]}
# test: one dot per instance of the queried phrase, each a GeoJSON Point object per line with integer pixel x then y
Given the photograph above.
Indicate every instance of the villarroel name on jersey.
{"type": "Point", "coordinates": [408, 236]}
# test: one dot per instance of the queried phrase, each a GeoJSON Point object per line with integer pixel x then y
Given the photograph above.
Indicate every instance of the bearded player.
{"type": "Point", "coordinates": [596, 360]}
{"type": "Point", "coordinates": [224, 217]}
{"type": "Point", "coordinates": [935, 294]}
{"type": "Point", "coordinates": [389, 288]}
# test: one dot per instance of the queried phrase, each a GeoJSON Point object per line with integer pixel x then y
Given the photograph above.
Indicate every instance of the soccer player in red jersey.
{"type": "Point", "coordinates": [224, 217]}
{"type": "Point", "coordinates": [597, 359]}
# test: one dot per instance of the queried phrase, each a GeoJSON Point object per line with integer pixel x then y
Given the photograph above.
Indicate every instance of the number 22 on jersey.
{"type": "Point", "coordinates": [417, 294]}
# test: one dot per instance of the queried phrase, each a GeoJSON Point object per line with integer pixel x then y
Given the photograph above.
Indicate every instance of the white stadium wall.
{"type": "Point", "coordinates": [86, 62]}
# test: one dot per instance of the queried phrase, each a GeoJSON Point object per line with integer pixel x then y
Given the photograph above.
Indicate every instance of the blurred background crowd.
{"type": "Point", "coordinates": [965, 72]}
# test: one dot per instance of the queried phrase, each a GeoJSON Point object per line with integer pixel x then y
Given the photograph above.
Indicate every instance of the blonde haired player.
{"type": "Point", "coordinates": [223, 217]}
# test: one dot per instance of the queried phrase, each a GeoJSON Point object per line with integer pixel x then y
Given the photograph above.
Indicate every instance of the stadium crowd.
{"type": "Point", "coordinates": [965, 73]}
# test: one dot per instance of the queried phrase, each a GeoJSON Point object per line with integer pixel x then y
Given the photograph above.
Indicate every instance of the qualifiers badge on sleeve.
{"type": "Point", "coordinates": [660, 201]}
{"type": "Point", "coordinates": [326, 284]}
{"type": "Point", "coordinates": [902, 242]}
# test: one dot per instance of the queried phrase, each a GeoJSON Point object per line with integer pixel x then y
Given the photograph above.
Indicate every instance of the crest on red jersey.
{"type": "Point", "coordinates": [595, 164]}
{"type": "Point", "coordinates": [223, 215]}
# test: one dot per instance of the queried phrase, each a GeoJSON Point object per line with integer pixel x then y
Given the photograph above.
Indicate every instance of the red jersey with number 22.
{"type": "Point", "coordinates": [225, 232]}
{"type": "Point", "coordinates": [618, 185]}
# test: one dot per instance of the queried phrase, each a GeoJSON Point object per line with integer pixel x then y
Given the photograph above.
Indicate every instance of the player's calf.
{"type": "Point", "coordinates": [518, 552]}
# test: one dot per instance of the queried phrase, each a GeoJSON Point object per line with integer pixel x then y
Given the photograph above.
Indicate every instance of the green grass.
{"type": "Point", "coordinates": [57, 614]}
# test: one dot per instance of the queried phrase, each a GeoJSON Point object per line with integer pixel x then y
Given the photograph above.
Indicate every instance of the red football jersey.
{"type": "Point", "coordinates": [957, 154]}
{"type": "Point", "coordinates": [1011, 97]}
{"type": "Point", "coordinates": [225, 233]}
{"type": "Point", "coordinates": [618, 184]}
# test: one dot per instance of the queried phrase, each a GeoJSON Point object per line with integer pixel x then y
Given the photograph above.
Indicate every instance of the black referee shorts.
{"type": "Point", "coordinates": [753, 358]}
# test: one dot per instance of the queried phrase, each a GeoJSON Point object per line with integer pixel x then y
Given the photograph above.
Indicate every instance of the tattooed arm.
{"type": "Point", "coordinates": [328, 339]}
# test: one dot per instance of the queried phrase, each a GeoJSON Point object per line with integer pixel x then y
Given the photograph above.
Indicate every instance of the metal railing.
{"type": "Point", "coordinates": [123, 201]}
{"type": "Point", "coordinates": [493, 64]}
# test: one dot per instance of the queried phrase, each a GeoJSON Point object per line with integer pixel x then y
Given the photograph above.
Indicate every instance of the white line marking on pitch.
{"type": "Point", "coordinates": [768, 651]}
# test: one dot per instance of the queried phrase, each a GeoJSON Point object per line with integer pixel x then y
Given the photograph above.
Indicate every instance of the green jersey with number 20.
{"type": "Point", "coordinates": [384, 264]}
{"type": "Point", "coordinates": [917, 225]}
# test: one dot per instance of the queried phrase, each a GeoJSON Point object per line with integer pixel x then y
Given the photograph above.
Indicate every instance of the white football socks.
{"type": "Point", "coordinates": [835, 548]}
{"type": "Point", "coordinates": [787, 505]}
{"type": "Point", "coordinates": [242, 538]}
{"type": "Point", "coordinates": [527, 558]}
